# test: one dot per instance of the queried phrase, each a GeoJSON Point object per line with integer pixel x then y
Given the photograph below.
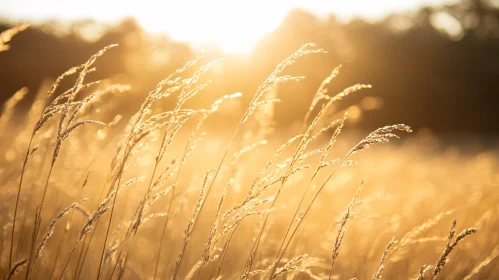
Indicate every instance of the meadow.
{"type": "Point", "coordinates": [92, 193]}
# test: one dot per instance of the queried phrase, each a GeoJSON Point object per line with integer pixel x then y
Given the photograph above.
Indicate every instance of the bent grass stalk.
{"type": "Point", "coordinates": [45, 114]}
{"type": "Point", "coordinates": [269, 83]}
{"type": "Point", "coordinates": [175, 124]}
{"type": "Point", "coordinates": [170, 202]}
{"type": "Point", "coordinates": [137, 130]}
{"type": "Point", "coordinates": [381, 135]}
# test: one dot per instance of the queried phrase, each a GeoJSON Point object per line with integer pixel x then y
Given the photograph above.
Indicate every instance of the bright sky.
{"type": "Point", "coordinates": [235, 25]}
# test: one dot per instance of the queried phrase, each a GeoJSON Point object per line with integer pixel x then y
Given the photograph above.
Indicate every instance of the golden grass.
{"type": "Point", "coordinates": [164, 197]}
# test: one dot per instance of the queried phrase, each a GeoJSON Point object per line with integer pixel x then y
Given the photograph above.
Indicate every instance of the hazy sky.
{"type": "Point", "coordinates": [225, 22]}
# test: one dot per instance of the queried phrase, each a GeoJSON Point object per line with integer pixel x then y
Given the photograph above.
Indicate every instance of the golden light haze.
{"type": "Point", "coordinates": [132, 155]}
{"type": "Point", "coordinates": [235, 26]}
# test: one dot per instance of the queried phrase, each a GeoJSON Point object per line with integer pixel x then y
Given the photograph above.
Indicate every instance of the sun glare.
{"type": "Point", "coordinates": [234, 26]}
{"type": "Point", "coordinates": [234, 32]}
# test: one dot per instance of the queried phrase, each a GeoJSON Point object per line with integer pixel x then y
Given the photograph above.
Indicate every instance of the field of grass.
{"type": "Point", "coordinates": [89, 193]}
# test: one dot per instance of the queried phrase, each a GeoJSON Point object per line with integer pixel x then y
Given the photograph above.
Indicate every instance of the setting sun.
{"type": "Point", "coordinates": [234, 32]}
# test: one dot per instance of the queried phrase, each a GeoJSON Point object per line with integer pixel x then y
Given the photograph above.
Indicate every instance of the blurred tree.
{"type": "Point", "coordinates": [436, 67]}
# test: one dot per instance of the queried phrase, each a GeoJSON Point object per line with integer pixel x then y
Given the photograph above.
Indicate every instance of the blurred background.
{"type": "Point", "coordinates": [433, 65]}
